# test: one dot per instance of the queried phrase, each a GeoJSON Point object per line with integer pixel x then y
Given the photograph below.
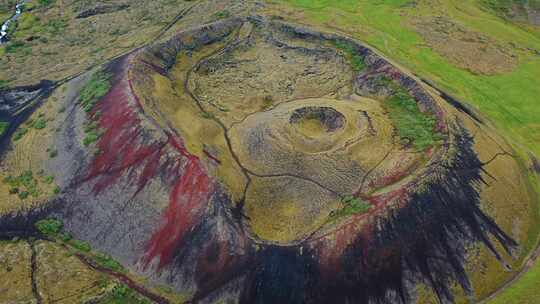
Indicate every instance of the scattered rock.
{"type": "Point", "coordinates": [104, 9]}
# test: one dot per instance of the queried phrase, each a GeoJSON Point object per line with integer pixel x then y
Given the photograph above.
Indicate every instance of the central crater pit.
{"type": "Point", "coordinates": [316, 121]}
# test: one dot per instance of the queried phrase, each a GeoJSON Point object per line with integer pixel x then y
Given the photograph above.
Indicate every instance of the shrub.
{"type": "Point", "coordinates": [49, 227]}
{"type": "Point", "coordinates": [24, 195]}
{"type": "Point", "coordinates": [19, 133]}
{"type": "Point", "coordinates": [40, 123]}
{"type": "Point", "coordinates": [108, 262]}
{"type": "Point", "coordinates": [222, 15]}
{"type": "Point", "coordinates": [48, 179]}
{"type": "Point", "coordinates": [90, 138]}
{"type": "Point", "coordinates": [3, 127]}
{"type": "Point", "coordinates": [81, 246]}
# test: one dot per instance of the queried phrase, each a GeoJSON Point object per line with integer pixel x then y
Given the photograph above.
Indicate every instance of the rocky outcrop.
{"type": "Point", "coordinates": [103, 9]}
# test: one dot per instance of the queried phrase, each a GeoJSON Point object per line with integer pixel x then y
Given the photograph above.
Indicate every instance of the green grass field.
{"type": "Point", "coordinates": [511, 100]}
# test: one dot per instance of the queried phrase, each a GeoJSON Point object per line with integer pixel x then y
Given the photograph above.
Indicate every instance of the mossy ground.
{"type": "Point", "coordinates": [3, 127]}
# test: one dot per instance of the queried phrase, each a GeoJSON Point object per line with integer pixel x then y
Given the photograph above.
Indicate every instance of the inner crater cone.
{"type": "Point", "coordinates": [312, 121]}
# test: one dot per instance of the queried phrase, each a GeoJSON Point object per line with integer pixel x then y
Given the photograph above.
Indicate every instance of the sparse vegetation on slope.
{"type": "Point", "coordinates": [96, 88]}
{"type": "Point", "coordinates": [351, 206]}
{"type": "Point", "coordinates": [3, 127]}
{"type": "Point", "coordinates": [356, 60]}
{"type": "Point", "coordinates": [412, 126]}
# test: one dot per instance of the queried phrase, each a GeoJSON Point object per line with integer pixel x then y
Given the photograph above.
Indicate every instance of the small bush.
{"type": "Point", "coordinates": [108, 262]}
{"type": "Point", "coordinates": [66, 237]}
{"type": "Point", "coordinates": [222, 15]}
{"type": "Point", "coordinates": [48, 179]}
{"type": "Point", "coordinates": [3, 127]}
{"type": "Point", "coordinates": [24, 195]}
{"type": "Point", "coordinates": [49, 227]}
{"type": "Point", "coordinates": [19, 133]}
{"type": "Point", "coordinates": [40, 123]}
{"type": "Point", "coordinates": [81, 246]}
{"type": "Point", "coordinates": [90, 138]}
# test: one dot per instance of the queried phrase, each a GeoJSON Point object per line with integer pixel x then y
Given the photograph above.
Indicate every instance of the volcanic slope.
{"type": "Point", "coordinates": [255, 160]}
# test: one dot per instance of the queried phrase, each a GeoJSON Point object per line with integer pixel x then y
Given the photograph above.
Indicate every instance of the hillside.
{"type": "Point", "coordinates": [279, 151]}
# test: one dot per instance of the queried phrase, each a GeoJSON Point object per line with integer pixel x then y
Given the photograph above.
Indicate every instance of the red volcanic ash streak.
{"type": "Point", "coordinates": [185, 209]}
{"type": "Point", "coordinates": [126, 150]}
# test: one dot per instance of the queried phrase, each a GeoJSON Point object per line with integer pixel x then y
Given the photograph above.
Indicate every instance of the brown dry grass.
{"type": "Point", "coordinates": [465, 48]}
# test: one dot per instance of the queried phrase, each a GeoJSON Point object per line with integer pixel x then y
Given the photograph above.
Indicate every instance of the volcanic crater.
{"type": "Point", "coordinates": [261, 161]}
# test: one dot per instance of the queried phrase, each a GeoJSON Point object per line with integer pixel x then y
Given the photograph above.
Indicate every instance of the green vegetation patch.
{"type": "Point", "coordinates": [3, 127]}
{"type": "Point", "coordinates": [222, 15]}
{"type": "Point", "coordinates": [23, 185]}
{"type": "Point", "coordinates": [56, 26]}
{"type": "Point", "coordinates": [19, 48]}
{"type": "Point", "coordinates": [356, 60]}
{"type": "Point", "coordinates": [3, 83]}
{"type": "Point", "coordinates": [80, 245]}
{"type": "Point", "coordinates": [52, 228]}
{"type": "Point", "coordinates": [49, 227]}
{"type": "Point", "coordinates": [96, 88]}
{"type": "Point", "coordinates": [27, 24]}
{"type": "Point", "coordinates": [413, 127]}
{"type": "Point", "coordinates": [39, 124]}
{"type": "Point", "coordinates": [351, 206]}
{"type": "Point", "coordinates": [19, 134]}
{"type": "Point", "coordinates": [91, 133]}
{"type": "Point", "coordinates": [121, 294]}
{"type": "Point", "coordinates": [108, 262]}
